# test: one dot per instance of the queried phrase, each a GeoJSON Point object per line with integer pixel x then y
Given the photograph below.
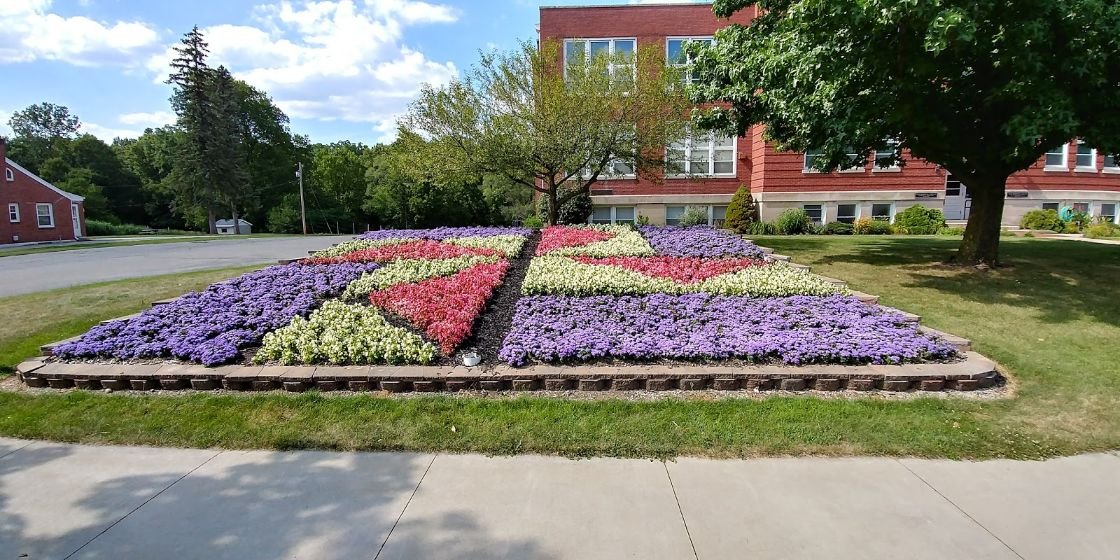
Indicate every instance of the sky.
{"type": "Point", "coordinates": [340, 69]}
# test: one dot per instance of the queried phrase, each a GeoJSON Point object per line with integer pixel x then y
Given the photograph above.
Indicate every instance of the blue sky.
{"type": "Point", "coordinates": [341, 69]}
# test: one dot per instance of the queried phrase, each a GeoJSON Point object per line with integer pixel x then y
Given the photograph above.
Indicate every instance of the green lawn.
{"type": "Point", "coordinates": [1052, 319]}
{"type": "Point", "coordinates": [94, 243]}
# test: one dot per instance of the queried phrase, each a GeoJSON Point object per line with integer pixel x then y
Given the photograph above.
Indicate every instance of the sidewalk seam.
{"type": "Point", "coordinates": [144, 503]}
{"type": "Point", "coordinates": [676, 499]}
{"type": "Point", "coordinates": [16, 450]}
{"type": "Point", "coordinates": [960, 509]}
{"type": "Point", "coordinates": [405, 508]}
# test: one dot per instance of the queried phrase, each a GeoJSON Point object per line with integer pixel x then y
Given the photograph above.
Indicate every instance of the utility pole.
{"type": "Point", "coordinates": [302, 208]}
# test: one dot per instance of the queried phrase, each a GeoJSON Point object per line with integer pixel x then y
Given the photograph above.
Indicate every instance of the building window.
{"type": "Point", "coordinates": [883, 212]}
{"type": "Point", "coordinates": [1082, 207]}
{"type": "Point", "coordinates": [616, 168]}
{"type": "Point", "coordinates": [952, 187]}
{"type": "Point", "coordinates": [1110, 165]}
{"type": "Point", "coordinates": [1056, 158]}
{"type": "Point", "coordinates": [673, 215]}
{"type": "Point", "coordinates": [1108, 212]}
{"type": "Point", "coordinates": [847, 213]}
{"type": "Point", "coordinates": [883, 157]}
{"type": "Point", "coordinates": [612, 214]}
{"type": "Point", "coordinates": [676, 56]}
{"type": "Point", "coordinates": [813, 158]}
{"type": "Point", "coordinates": [45, 215]}
{"type": "Point", "coordinates": [709, 154]}
{"type": "Point", "coordinates": [13, 213]}
{"type": "Point", "coordinates": [1050, 206]}
{"type": "Point", "coordinates": [815, 212]}
{"type": "Point", "coordinates": [1086, 157]}
{"type": "Point", "coordinates": [620, 53]}
{"type": "Point", "coordinates": [716, 215]}
{"type": "Point", "coordinates": [9, 175]}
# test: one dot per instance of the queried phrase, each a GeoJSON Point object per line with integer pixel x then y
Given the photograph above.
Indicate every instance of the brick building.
{"type": "Point", "coordinates": [35, 210]}
{"type": "Point", "coordinates": [1072, 175]}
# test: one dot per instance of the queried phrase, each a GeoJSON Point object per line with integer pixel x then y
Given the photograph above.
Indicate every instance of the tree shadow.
{"type": "Point", "coordinates": [245, 505]}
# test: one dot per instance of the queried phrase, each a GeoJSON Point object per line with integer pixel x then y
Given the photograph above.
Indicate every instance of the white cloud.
{"type": "Point", "coordinates": [5, 130]}
{"type": "Point", "coordinates": [332, 59]}
{"type": "Point", "coordinates": [108, 133]}
{"type": "Point", "coordinates": [32, 32]}
{"type": "Point", "coordinates": [153, 119]}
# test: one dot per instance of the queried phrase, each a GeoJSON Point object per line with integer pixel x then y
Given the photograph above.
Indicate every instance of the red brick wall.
{"type": "Point", "coordinates": [1037, 178]}
{"type": "Point", "coordinates": [784, 172]}
{"type": "Point", "coordinates": [27, 192]}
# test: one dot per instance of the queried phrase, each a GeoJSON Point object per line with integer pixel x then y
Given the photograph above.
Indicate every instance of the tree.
{"type": "Point", "coordinates": [191, 178]}
{"type": "Point", "coordinates": [526, 117]}
{"type": "Point", "coordinates": [742, 211]}
{"type": "Point", "coordinates": [269, 149]}
{"type": "Point", "coordinates": [338, 171]}
{"type": "Point", "coordinates": [37, 130]}
{"type": "Point", "coordinates": [981, 87]}
{"type": "Point", "coordinates": [225, 162]}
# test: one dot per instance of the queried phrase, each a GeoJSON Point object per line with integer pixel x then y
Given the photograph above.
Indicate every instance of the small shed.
{"type": "Point", "coordinates": [225, 227]}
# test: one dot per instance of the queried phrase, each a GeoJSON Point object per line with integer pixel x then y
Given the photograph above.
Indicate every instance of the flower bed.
{"type": "Point", "coordinates": [698, 241]}
{"type": "Point", "coordinates": [794, 330]}
{"type": "Point", "coordinates": [593, 241]}
{"type": "Point", "coordinates": [685, 270]}
{"type": "Point", "coordinates": [416, 249]}
{"type": "Point", "coordinates": [339, 333]}
{"type": "Point", "coordinates": [407, 271]}
{"type": "Point", "coordinates": [444, 233]}
{"type": "Point", "coordinates": [212, 326]}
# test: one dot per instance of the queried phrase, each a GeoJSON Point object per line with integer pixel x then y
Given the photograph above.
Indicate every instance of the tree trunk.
{"type": "Point", "coordinates": [981, 237]}
{"type": "Point", "coordinates": [236, 221]}
{"type": "Point", "coordinates": [212, 220]}
{"type": "Point", "coordinates": [553, 204]}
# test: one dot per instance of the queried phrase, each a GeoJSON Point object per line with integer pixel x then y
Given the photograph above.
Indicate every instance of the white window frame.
{"type": "Point", "coordinates": [892, 168]}
{"type": "Point", "coordinates": [805, 167]}
{"type": "Point", "coordinates": [890, 215]}
{"type": "Point", "coordinates": [1092, 155]}
{"type": "Point", "coordinates": [1114, 168]}
{"type": "Point", "coordinates": [9, 175]}
{"type": "Point", "coordinates": [612, 66]}
{"type": "Point", "coordinates": [608, 173]}
{"type": "Point", "coordinates": [1115, 210]}
{"type": "Point", "coordinates": [1057, 206]}
{"type": "Point", "coordinates": [687, 77]}
{"type": "Point", "coordinates": [614, 214]}
{"type": "Point", "coordinates": [1065, 160]}
{"type": "Point", "coordinates": [824, 213]}
{"type": "Point", "coordinates": [13, 213]}
{"type": "Point", "coordinates": [687, 148]}
{"type": "Point", "coordinates": [50, 214]}
{"type": "Point", "coordinates": [855, 216]}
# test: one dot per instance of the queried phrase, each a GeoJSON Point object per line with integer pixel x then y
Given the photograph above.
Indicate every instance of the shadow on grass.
{"type": "Point", "coordinates": [1062, 280]}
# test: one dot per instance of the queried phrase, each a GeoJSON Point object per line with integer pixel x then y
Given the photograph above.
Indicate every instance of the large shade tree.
{"type": "Point", "coordinates": [981, 87]}
{"type": "Point", "coordinates": [543, 122]}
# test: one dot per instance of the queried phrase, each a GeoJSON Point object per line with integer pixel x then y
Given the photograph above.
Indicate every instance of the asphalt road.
{"type": "Point", "coordinates": [45, 271]}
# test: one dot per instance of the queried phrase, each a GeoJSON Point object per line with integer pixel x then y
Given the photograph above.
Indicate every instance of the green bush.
{"type": "Point", "coordinates": [919, 220]}
{"type": "Point", "coordinates": [742, 211]}
{"type": "Point", "coordinates": [98, 227]}
{"type": "Point", "coordinates": [838, 228]}
{"type": "Point", "coordinates": [694, 216]}
{"type": "Point", "coordinates": [534, 222]}
{"type": "Point", "coordinates": [1102, 230]}
{"type": "Point", "coordinates": [643, 220]}
{"type": "Point", "coordinates": [575, 210]}
{"type": "Point", "coordinates": [1080, 221]}
{"type": "Point", "coordinates": [792, 221]}
{"type": "Point", "coordinates": [951, 231]}
{"type": "Point", "coordinates": [762, 228]}
{"type": "Point", "coordinates": [867, 226]}
{"type": "Point", "coordinates": [1042, 220]}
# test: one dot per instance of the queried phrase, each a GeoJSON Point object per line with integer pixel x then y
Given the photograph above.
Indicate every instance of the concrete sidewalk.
{"type": "Point", "coordinates": [72, 501]}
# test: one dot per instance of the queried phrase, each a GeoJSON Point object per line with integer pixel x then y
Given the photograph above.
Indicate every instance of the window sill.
{"type": "Point", "coordinates": [1055, 169]}
{"type": "Point", "coordinates": [887, 170]}
{"type": "Point", "coordinates": [46, 227]}
{"type": "Point", "coordinates": [702, 177]}
{"type": "Point", "coordinates": [1112, 170]}
{"type": "Point", "coordinates": [857, 170]}
{"type": "Point", "coordinates": [1085, 169]}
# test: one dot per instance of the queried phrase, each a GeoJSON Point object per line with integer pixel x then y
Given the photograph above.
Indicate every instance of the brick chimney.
{"type": "Point", "coordinates": [3, 148]}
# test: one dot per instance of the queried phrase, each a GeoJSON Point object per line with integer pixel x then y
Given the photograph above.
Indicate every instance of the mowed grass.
{"type": "Point", "coordinates": [1052, 319]}
{"type": "Point", "coordinates": [98, 244]}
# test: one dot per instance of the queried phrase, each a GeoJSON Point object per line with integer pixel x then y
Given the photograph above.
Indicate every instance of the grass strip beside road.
{"type": "Point", "coordinates": [95, 244]}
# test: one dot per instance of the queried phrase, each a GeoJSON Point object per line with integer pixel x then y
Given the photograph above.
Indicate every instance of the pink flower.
{"type": "Point", "coordinates": [558, 237]}
{"type": "Point", "coordinates": [686, 270]}
{"type": "Point", "coordinates": [422, 249]}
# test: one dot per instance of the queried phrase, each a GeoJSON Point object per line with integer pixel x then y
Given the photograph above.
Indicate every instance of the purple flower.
{"type": "Point", "coordinates": [698, 241]}
{"type": "Point", "coordinates": [441, 233]}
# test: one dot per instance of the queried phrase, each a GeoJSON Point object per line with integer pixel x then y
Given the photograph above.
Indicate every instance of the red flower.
{"type": "Point", "coordinates": [557, 237]}
{"type": "Point", "coordinates": [686, 270]}
{"type": "Point", "coordinates": [422, 249]}
{"type": "Point", "coordinates": [444, 307]}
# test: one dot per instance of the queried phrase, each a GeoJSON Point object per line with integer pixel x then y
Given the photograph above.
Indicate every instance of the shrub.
{"type": "Point", "coordinates": [742, 211]}
{"type": "Point", "coordinates": [694, 216]}
{"type": "Point", "coordinates": [98, 227]}
{"type": "Point", "coordinates": [1102, 230]}
{"type": "Point", "coordinates": [1079, 220]}
{"type": "Point", "coordinates": [534, 222]}
{"type": "Point", "coordinates": [762, 228]}
{"type": "Point", "coordinates": [575, 210]}
{"type": "Point", "coordinates": [792, 221]}
{"type": "Point", "coordinates": [1042, 219]}
{"type": "Point", "coordinates": [643, 220]}
{"type": "Point", "coordinates": [867, 226]}
{"type": "Point", "coordinates": [838, 228]}
{"type": "Point", "coordinates": [919, 220]}
{"type": "Point", "coordinates": [951, 231]}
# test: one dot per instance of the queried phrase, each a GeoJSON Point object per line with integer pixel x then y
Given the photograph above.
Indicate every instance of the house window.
{"type": "Point", "coordinates": [673, 215]}
{"type": "Point", "coordinates": [847, 213]}
{"type": "Point", "coordinates": [9, 175]}
{"type": "Point", "coordinates": [1050, 206]}
{"type": "Point", "coordinates": [1110, 165]}
{"type": "Point", "coordinates": [952, 187]}
{"type": "Point", "coordinates": [1086, 157]}
{"type": "Point", "coordinates": [620, 53]}
{"type": "Point", "coordinates": [883, 157]}
{"type": "Point", "coordinates": [612, 214]}
{"type": "Point", "coordinates": [13, 213]}
{"type": "Point", "coordinates": [45, 215]}
{"type": "Point", "coordinates": [676, 56]}
{"type": "Point", "coordinates": [1082, 207]}
{"type": "Point", "coordinates": [709, 154]}
{"type": "Point", "coordinates": [882, 212]}
{"type": "Point", "coordinates": [1108, 212]}
{"type": "Point", "coordinates": [716, 215]}
{"type": "Point", "coordinates": [815, 212]}
{"type": "Point", "coordinates": [1056, 158]}
{"type": "Point", "coordinates": [813, 158]}
{"type": "Point", "coordinates": [616, 168]}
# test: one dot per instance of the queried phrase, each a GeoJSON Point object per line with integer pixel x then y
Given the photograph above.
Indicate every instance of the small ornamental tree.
{"type": "Point", "coordinates": [742, 211]}
{"type": "Point", "coordinates": [982, 88]}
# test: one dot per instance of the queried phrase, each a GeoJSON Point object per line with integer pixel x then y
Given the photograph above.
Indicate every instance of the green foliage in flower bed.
{"type": "Point", "coordinates": [409, 270]}
{"type": "Point", "coordinates": [338, 333]}
{"type": "Point", "coordinates": [793, 221]}
{"type": "Point", "coordinates": [919, 220]}
{"type": "Point", "coordinates": [1102, 231]}
{"type": "Point", "coordinates": [1042, 220]}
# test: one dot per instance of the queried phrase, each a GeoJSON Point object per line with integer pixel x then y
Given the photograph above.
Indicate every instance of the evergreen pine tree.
{"type": "Point", "coordinates": [742, 211]}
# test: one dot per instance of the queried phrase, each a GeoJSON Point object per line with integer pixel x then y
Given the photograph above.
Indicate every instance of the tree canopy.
{"type": "Point", "coordinates": [981, 87]}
